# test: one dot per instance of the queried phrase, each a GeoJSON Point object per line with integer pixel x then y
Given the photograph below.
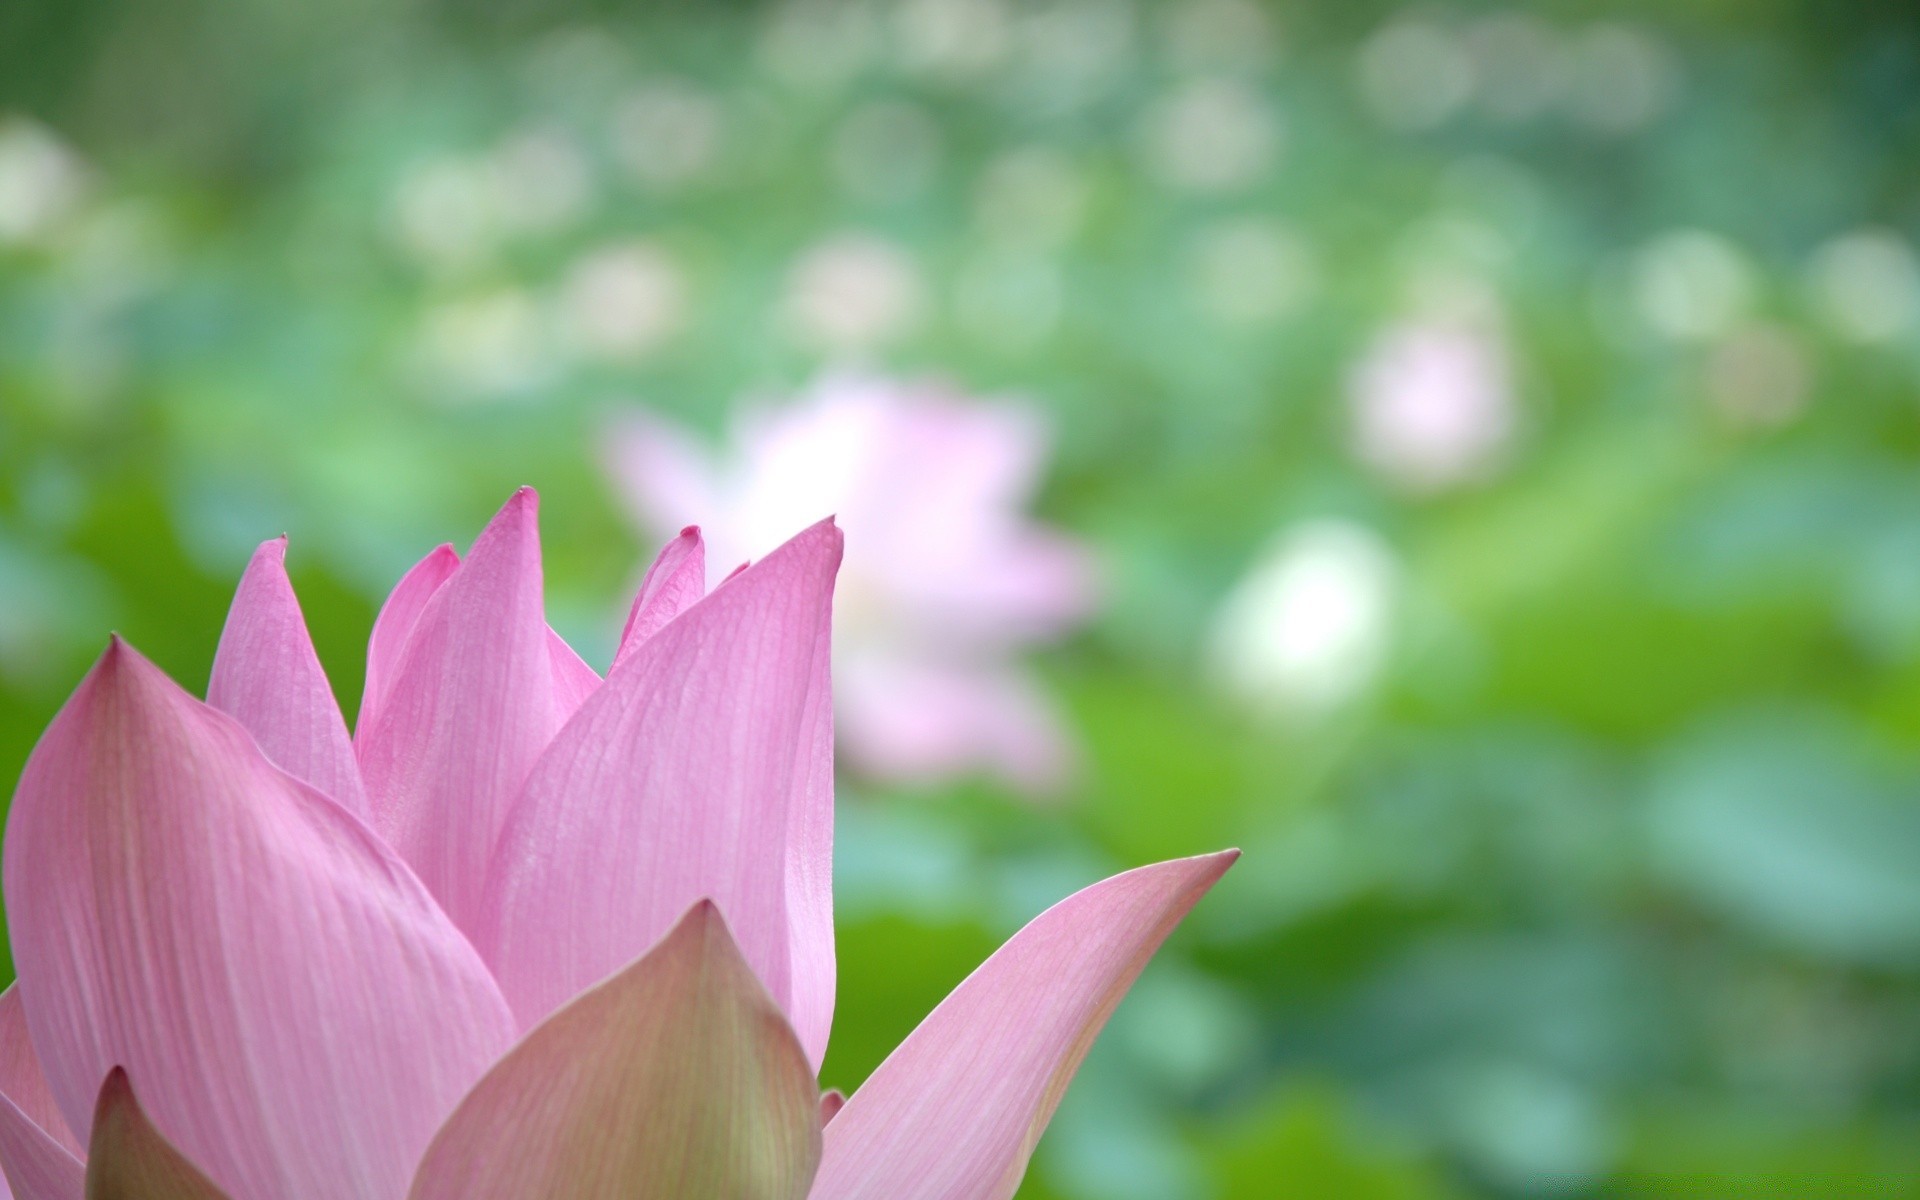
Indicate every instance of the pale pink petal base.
{"type": "Point", "coordinates": [676, 1079]}
{"type": "Point", "coordinates": [955, 1112]}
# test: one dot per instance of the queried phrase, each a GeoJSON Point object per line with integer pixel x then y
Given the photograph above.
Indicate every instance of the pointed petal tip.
{"type": "Point", "coordinates": [704, 918]}
{"type": "Point", "coordinates": [130, 1159]}
{"type": "Point", "coordinates": [119, 658]}
{"type": "Point", "coordinates": [116, 1089]}
{"type": "Point", "coordinates": [523, 507]}
{"type": "Point", "coordinates": [690, 531]}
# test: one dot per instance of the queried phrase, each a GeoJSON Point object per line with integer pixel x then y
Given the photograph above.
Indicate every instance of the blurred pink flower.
{"type": "Point", "coordinates": [1433, 404]}
{"type": "Point", "coordinates": [478, 951]}
{"type": "Point", "coordinates": [947, 579]}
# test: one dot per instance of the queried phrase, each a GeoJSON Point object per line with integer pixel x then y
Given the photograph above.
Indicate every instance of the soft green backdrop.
{"type": "Point", "coordinates": [1607, 882]}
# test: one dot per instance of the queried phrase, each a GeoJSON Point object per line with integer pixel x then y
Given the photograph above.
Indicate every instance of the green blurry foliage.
{"type": "Point", "coordinates": [1597, 878]}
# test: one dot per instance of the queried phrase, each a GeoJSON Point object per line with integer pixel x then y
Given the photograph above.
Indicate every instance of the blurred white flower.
{"type": "Point", "coordinates": [1759, 376]}
{"type": "Point", "coordinates": [1520, 63]}
{"type": "Point", "coordinates": [450, 212]}
{"type": "Point", "coordinates": [541, 179]}
{"type": "Point", "coordinates": [667, 133]}
{"type": "Point", "coordinates": [1415, 74]}
{"type": "Point", "coordinates": [576, 65]}
{"type": "Point", "coordinates": [1307, 628]}
{"type": "Point", "coordinates": [818, 43]}
{"type": "Point", "coordinates": [1031, 196]}
{"type": "Point", "coordinates": [41, 179]}
{"type": "Point", "coordinates": [888, 150]}
{"type": "Point", "coordinates": [488, 346]}
{"type": "Point", "coordinates": [1212, 135]}
{"type": "Point", "coordinates": [622, 301]}
{"type": "Point", "coordinates": [1866, 285]}
{"type": "Point", "coordinates": [853, 292]}
{"type": "Point", "coordinates": [1211, 35]}
{"type": "Point", "coordinates": [951, 38]}
{"type": "Point", "coordinates": [946, 579]}
{"type": "Point", "coordinates": [1251, 271]}
{"type": "Point", "coordinates": [1622, 78]}
{"type": "Point", "coordinates": [1691, 284]}
{"type": "Point", "coordinates": [1433, 403]}
{"type": "Point", "coordinates": [1073, 49]}
{"type": "Point", "coordinates": [442, 213]}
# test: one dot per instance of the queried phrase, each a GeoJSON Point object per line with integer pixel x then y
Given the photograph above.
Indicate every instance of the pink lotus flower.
{"type": "Point", "coordinates": [529, 933]}
{"type": "Point", "coordinates": [947, 578]}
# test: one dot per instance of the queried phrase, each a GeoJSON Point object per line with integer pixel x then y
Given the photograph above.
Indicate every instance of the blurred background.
{"type": "Point", "coordinates": [1485, 436]}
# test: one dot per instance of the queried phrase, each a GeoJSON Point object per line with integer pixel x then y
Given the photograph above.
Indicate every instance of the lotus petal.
{"type": "Point", "coordinates": [673, 583]}
{"type": "Point", "coordinates": [21, 1079]}
{"type": "Point", "coordinates": [266, 675]}
{"type": "Point", "coordinates": [393, 628]}
{"type": "Point", "coordinates": [955, 1112]}
{"type": "Point", "coordinates": [479, 692]}
{"type": "Point", "coordinates": [35, 1166]}
{"type": "Point", "coordinates": [676, 1079]}
{"type": "Point", "coordinates": [702, 767]}
{"type": "Point", "coordinates": [300, 1014]}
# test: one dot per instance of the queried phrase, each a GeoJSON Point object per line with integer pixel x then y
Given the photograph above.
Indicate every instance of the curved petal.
{"type": "Point", "coordinates": [267, 677]}
{"type": "Point", "coordinates": [128, 1159]}
{"type": "Point", "coordinates": [21, 1079]}
{"type": "Point", "coordinates": [956, 1110]}
{"type": "Point", "coordinates": [479, 692]}
{"type": "Point", "coordinates": [36, 1167]}
{"type": "Point", "coordinates": [703, 767]}
{"type": "Point", "coordinates": [39, 1155]}
{"type": "Point", "coordinates": [393, 628]}
{"type": "Point", "coordinates": [676, 1078]}
{"type": "Point", "coordinates": [673, 583]}
{"type": "Point", "coordinates": [573, 679]}
{"type": "Point", "coordinates": [301, 1016]}
{"type": "Point", "coordinates": [831, 1102]}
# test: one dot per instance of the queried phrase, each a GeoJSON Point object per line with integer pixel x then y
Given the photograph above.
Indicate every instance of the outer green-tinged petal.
{"type": "Point", "coordinates": [702, 768]}
{"type": "Point", "coordinates": [677, 578]}
{"type": "Point", "coordinates": [677, 1079]}
{"type": "Point", "coordinates": [955, 1112]}
{"type": "Point", "coordinates": [129, 1159]}
{"type": "Point", "coordinates": [299, 1014]}
{"type": "Point", "coordinates": [268, 678]}
{"type": "Point", "coordinates": [478, 694]}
